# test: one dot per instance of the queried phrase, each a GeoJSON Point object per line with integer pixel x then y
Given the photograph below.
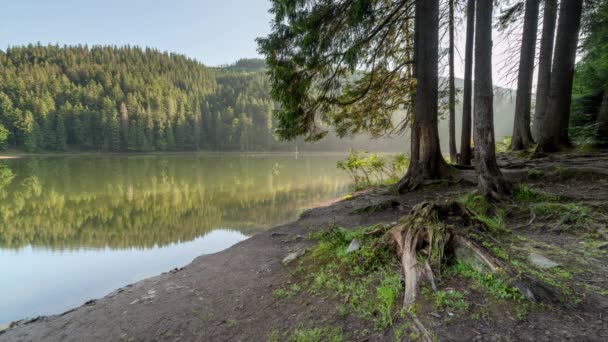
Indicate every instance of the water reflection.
{"type": "Point", "coordinates": [131, 217]}
{"type": "Point", "coordinates": [147, 201]}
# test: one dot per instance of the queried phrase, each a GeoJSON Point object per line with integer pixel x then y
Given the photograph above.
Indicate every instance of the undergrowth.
{"type": "Point", "coordinates": [367, 280]}
{"type": "Point", "coordinates": [369, 169]}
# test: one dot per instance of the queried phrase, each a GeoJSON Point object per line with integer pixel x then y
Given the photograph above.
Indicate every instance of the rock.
{"type": "Point", "coordinates": [603, 245]}
{"type": "Point", "coordinates": [541, 261]}
{"type": "Point", "coordinates": [353, 247]}
{"type": "Point", "coordinates": [293, 256]}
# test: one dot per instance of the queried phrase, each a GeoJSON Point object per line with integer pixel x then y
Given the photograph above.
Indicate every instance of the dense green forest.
{"type": "Point", "coordinates": [129, 99]}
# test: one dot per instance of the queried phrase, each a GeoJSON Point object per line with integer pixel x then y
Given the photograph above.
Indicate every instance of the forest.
{"type": "Point", "coordinates": [352, 65]}
{"type": "Point", "coordinates": [129, 99]}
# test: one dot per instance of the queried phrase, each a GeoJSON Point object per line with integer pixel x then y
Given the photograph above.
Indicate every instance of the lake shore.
{"type": "Point", "coordinates": [232, 295]}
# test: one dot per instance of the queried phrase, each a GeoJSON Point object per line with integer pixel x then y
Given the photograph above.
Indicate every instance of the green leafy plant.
{"type": "Point", "coordinates": [368, 169]}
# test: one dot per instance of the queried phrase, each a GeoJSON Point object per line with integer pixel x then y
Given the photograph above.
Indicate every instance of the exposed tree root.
{"type": "Point", "coordinates": [494, 186]}
{"type": "Point", "coordinates": [432, 232]}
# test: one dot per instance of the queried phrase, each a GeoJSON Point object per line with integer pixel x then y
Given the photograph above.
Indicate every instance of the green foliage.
{"type": "Point", "coordinates": [314, 53]}
{"type": "Point", "coordinates": [485, 212]}
{"type": "Point", "coordinates": [289, 291]}
{"type": "Point", "coordinates": [523, 193]}
{"type": "Point", "coordinates": [131, 99]}
{"type": "Point", "coordinates": [591, 76]}
{"type": "Point", "coordinates": [368, 277]}
{"type": "Point", "coordinates": [477, 203]}
{"type": "Point", "coordinates": [4, 133]}
{"type": "Point", "coordinates": [503, 146]}
{"type": "Point", "coordinates": [450, 300]}
{"type": "Point", "coordinates": [492, 282]}
{"type": "Point", "coordinates": [367, 169]}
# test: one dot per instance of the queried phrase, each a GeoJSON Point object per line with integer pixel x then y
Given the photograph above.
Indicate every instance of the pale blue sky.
{"type": "Point", "coordinates": [213, 32]}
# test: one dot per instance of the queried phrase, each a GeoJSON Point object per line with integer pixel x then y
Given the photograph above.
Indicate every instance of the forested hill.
{"type": "Point", "coordinates": [130, 99]}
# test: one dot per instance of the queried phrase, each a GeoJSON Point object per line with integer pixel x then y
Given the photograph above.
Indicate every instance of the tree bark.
{"type": "Point", "coordinates": [451, 85]}
{"type": "Point", "coordinates": [602, 119]}
{"type": "Point", "coordinates": [492, 183]}
{"type": "Point", "coordinates": [554, 135]}
{"type": "Point", "coordinates": [465, 135]}
{"type": "Point", "coordinates": [544, 65]}
{"type": "Point", "coordinates": [428, 162]}
{"type": "Point", "coordinates": [522, 136]}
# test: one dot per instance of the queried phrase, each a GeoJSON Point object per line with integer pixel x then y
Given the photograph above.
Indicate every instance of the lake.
{"type": "Point", "coordinates": [74, 228]}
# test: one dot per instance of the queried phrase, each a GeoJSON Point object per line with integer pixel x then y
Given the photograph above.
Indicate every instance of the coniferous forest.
{"type": "Point", "coordinates": [129, 99]}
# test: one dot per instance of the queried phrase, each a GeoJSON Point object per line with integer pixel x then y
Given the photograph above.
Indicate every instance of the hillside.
{"type": "Point", "coordinates": [128, 99]}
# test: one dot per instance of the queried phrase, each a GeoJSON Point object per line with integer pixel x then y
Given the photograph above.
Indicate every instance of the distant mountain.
{"type": "Point", "coordinates": [247, 64]}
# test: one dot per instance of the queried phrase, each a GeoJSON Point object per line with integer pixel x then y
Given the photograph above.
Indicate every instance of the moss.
{"type": "Point", "coordinates": [485, 212]}
{"type": "Point", "coordinates": [524, 194]}
{"type": "Point", "coordinates": [476, 203]}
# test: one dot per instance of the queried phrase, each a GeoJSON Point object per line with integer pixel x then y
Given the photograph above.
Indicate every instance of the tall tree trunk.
{"type": "Point", "coordinates": [544, 65]}
{"type": "Point", "coordinates": [465, 135]}
{"type": "Point", "coordinates": [451, 85]}
{"type": "Point", "coordinates": [522, 136]}
{"type": "Point", "coordinates": [492, 184]}
{"type": "Point", "coordinates": [554, 135]}
{"type": "Point", "coordinates": [427, 161]}
{"type": "Point", "coordinates": [602, 119]}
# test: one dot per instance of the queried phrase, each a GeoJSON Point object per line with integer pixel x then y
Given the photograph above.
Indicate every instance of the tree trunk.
{"type": "Point", "coordinates": [602, 119]}
{"type": "Point", "coordinates": [492, 183]}
{"type": "Point", "coordinates": [522, 136]}
{"type": "Point", "coordinates": [544, 65]}
{"type": "Point", "coordinates": [451, 85]}
{"type": "Point", "coordinates": [554, 135]}
{"type": "Point", "coordinates": [429, 163]}
{"type": "Point", "coordinates": [465, 135]}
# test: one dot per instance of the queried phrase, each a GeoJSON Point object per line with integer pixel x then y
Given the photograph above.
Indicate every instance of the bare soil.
{"type": "Point", "coordinates": [230, 296]}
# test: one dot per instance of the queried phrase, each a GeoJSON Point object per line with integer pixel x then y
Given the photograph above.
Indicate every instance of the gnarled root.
{"type": "Point", "coordinates": [429, 232]}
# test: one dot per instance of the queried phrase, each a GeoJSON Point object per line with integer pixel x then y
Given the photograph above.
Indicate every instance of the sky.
{"type": "Point", "coordinates": [215, 32]}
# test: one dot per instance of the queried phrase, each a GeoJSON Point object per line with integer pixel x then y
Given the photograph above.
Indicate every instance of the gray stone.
{"type": "Point", "coordinates": [603, 245]}
{"type": "Point", "coordinates": [293, 256]}
{"type": "Point", "coordinates": [353, 247]}
{"type": "Point", "coordinates": [541, 261]}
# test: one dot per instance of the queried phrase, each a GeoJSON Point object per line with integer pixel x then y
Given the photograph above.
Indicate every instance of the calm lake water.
{"type": "Point", "coordinates": [77, 228]}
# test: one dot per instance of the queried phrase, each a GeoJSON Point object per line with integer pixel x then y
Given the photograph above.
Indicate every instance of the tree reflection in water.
{"type": "Point", "coordinates": [142, 201]}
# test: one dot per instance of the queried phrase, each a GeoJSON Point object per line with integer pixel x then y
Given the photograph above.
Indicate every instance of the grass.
{"type": "Point", "coordinates": [524, 194]}
{"type": "Point", "coordinates": [308, 334]}
{"type": "Point", "coordinates": [450, 300]}
{"type": "Point", "coordinates": [289, 291]}
{"type": "Point", "coordinates": [485, 212]}
{"type": "Point", "coordinates": [574, 214]}
{"type": "Point", "coordinates": [368, 280]}
{"type": "Point", "coordinates": [329, 334]}
{"type": "Point", "coordinates": [491, 282]}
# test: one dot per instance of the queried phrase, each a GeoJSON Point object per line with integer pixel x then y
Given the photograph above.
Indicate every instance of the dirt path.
{"type": "Point", "coordinates": [230, 296]}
